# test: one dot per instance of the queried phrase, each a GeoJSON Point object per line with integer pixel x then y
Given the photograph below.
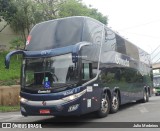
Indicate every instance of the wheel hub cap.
{"type": "Point", "coordinates": [104, 106]}
{"type": "Point", "coordinates": [115, 102]}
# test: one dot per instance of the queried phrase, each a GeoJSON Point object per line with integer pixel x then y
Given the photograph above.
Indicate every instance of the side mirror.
{"type": "Point", "coordinates": [8, 57]}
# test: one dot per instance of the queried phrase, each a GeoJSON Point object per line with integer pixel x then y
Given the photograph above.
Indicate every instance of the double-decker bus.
{"type": "Point", "coordinates": [77, 65]}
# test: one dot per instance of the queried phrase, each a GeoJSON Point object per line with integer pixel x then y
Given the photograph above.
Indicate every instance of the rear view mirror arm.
{"type": "Point", "coordinates": [8, 57]}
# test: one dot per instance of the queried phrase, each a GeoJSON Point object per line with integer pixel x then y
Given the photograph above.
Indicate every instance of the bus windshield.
{"type": "Point", "coordinates": [57, 70]}
{"type": "Point", "coordinates": [55, 34]}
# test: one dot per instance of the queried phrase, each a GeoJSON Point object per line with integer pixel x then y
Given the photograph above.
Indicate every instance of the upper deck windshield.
{"type": "Point", "coordinates": [59, 70]}
{"type": "Point", "coordinates": [55, 34]}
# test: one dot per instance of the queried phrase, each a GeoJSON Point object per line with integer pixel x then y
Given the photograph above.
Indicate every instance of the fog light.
{"type": "Point", "coordinates": [22, 109]}
{"type": "Point", "coordinates": [73, 108]}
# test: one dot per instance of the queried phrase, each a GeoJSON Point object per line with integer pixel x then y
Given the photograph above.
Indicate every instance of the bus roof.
{"type": "Point", "coordinates": [72, 30]}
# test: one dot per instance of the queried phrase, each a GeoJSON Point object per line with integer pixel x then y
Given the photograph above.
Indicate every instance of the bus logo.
{"type": "Point", "coordinates": [28, 40]}
{"type": "Point", "coordinates": [44, 103]}
{"type": "Point", "coordinates": [47, 91]}
{"type": "Point", "coordinates": [121, 61]}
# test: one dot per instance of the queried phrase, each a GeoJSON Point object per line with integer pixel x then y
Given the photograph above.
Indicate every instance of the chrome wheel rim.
{"type": "Point", "coordinates": [104, 105]}
{"type": "Point", "coordinates": [145, 96]}
{"type": "Point", "coordinates": [115, 102]}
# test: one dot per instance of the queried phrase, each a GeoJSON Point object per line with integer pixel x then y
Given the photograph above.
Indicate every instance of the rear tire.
{"type": "Point", "coordinates": [115, 103]}
{"type": "Point", "coordinates": [145, 96]}
{"type": "Point", "coordinates": [105, 106]}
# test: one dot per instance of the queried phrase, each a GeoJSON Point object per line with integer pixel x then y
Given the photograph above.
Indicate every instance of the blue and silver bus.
{"type": "Point", "coordinates": [77, 65]}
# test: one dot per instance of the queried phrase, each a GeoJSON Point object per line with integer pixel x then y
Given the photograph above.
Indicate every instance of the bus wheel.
{"type": "Point", "coordinates": [105, 106]}
{"type": "Point", "coordinates": [145, 96]}
{"type": "Point", "coordinates": [24, 114]}
{"type": "Point", "coordinates": [115, 103]}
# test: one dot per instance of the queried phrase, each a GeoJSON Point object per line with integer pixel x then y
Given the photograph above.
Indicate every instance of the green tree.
{"type": "Point", "coordinates": [17, 44]}
{"type": "Point", "coordinates": [77, 8]}
{"type": "Point", "coordinates": [49, 8]}
{"type": "Point", "coordinates": [97, 15]}
{"type": "Point", "coordinates": [26, 16]}
{"type": "Point", "coordinates": [73, 8]}
{"type": "Point", "coordinates": [22, 15]}
{"type": "Point", "coordinates": [7, 12]}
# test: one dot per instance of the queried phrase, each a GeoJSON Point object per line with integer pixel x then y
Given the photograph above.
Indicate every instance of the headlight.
{"type": "Point", "coordinates": [23, 100]}
{"type": "Point", "coordinates": [154, 90]}
{"type": "Point", "coordinates": [74, 96]}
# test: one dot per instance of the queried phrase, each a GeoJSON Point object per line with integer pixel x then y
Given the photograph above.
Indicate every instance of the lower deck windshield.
{"type": "Point", "coordinates": [53, 71]}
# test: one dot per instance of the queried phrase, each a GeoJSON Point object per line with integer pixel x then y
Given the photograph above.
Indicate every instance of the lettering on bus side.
{"type": "Point", "coordinates": [46, 91]}
{"type": "Point", "coordinates": [45, 52]}
{"type": "Point", "coordinates": [121, 61]}
{"type": "Point", "coordinates": [68, 92]}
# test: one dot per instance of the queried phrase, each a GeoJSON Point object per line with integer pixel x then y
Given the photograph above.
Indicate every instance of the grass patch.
{"type": "Point", "coordinates": [9, 108]}
{"type": "Point", "coordinates": [11, 76]}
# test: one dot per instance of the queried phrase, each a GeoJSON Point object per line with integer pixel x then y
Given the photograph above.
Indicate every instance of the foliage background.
{"type": "Point", "coordinates": [11, 76]}
{"type": "Point", "coordinates": [22, 15]}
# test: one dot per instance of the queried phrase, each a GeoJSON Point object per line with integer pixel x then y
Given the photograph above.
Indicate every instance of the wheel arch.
{"type": "Point", "coordinates": [108, 91]}
{"type": "Point", "coordinates": [146, 88]}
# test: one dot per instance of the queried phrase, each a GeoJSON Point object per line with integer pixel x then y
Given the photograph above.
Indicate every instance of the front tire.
{"type": "Point", "coordinates": [24, 114]}
{"type": "Point", "coordinates": [105, 106]}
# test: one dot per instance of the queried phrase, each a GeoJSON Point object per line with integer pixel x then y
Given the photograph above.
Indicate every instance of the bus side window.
{"type": "Point", "coordinates": [87, 71]}
{"type": "Point", "coordinates": [108, 76]}
{"type": "Point", "coordinates": [140, 78]}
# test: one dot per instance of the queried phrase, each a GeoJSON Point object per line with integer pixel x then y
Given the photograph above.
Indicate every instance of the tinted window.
{"type": "Point", "coordinates": [109, 41]}
{"type": "Point", "coordinates": [56, 70]}
{"type": "Point", "coordinates": [131, 76]}
{"type": "Point", "coordinates": [111, 75]}
{"type": "Point", "coordinates": [132, 50]}
{"type": "Point", "coordinates": [92, 32]}
{"type": "Point", "coordinates": [115, 75]}
{"type": "Point", "coordinates": [58, 33]}
{"type": "Point", "coordinates": [87, 71]}
{"type": "Point", "coordinates": [144, 57]}
{"type": "Point", "coordinates": [120, 45]}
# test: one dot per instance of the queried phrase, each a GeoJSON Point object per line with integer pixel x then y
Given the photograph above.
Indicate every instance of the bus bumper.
{"type": "Point", "coordinates": [79, 103]}
{"type": "Point", "coordinates": [71, 108]}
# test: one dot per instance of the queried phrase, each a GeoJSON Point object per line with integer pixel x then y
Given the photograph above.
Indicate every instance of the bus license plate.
{"type": "Point", "coordinates": [46, 111]}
